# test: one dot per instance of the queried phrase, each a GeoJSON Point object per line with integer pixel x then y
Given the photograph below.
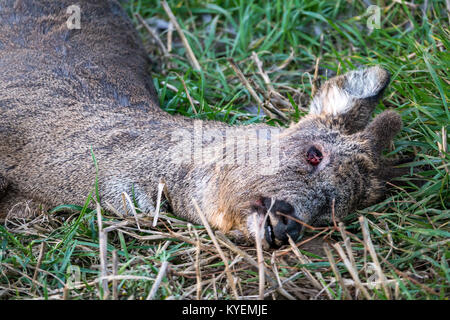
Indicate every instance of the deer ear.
{"type": "Point", "coordinates": [351, 97]}
{"type": "Point", "coordinates": [382, 130]}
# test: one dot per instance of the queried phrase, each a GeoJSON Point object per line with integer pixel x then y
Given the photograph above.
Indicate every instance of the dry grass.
{"type": "Point", "coordinates": [175, 260]}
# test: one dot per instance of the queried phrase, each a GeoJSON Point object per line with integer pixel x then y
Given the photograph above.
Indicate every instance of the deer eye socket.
{"type": "Point", "coordinates": [314, 156]}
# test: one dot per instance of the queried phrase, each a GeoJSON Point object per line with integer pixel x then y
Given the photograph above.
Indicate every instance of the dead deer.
{"type": "Point", "coordinates": [68, 95]}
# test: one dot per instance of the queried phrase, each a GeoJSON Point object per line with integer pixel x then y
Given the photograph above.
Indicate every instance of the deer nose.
{"type": "Point", "coordinates": [279, 224]}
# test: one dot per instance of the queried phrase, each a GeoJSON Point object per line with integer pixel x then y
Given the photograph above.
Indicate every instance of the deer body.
{"type": "Point", "coordinates": [69, 95]}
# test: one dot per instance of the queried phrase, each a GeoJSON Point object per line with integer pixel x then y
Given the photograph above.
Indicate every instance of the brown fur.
{"type": "Point", "coordinates": [66, 92]}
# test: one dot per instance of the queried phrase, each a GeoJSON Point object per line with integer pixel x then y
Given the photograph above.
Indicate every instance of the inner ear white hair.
{"type": "Point", "coordinates": [331, 100]}
{"type": "Point", "coordinates": [340, 94]}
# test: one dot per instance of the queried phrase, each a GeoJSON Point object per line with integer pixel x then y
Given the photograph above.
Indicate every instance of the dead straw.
{"type": "Point", "coordinates": [259, 254]}
{"type": "Point", "coordinates": [369, 246]}
{"type": "Point", "coordinates": [152, 33]}
{"type": "Point", "coordinates": [219, 249]}
{"type": "Point", "coordinates": [353, 272]}
{"type": "Point", "coordinates": [268, 108]}
{"type": "Point", "coordinates": [158, 203]}
{"type": "Point", "coordinates": [159, 278]}
{"type": "Point", "coordinates": [102, 236]}
{"type": "Point", "coordinates": [173, 20]}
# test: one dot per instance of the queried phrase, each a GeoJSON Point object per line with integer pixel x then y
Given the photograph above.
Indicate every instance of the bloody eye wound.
{"type": "Point", "coordinates": [314, 156]}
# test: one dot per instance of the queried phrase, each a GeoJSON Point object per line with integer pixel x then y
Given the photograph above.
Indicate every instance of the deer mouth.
{"type": "Point", "coordinates": [269, 234]}
{"type": "Point", "coordinates": [278, 225]}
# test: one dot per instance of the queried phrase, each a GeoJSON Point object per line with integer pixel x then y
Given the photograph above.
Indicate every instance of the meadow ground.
{"type": "Point", "coordinates": [397, 249]}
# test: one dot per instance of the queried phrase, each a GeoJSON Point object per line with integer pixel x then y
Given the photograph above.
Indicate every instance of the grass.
{"type": "Point", "coordinates": [403, 241]}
